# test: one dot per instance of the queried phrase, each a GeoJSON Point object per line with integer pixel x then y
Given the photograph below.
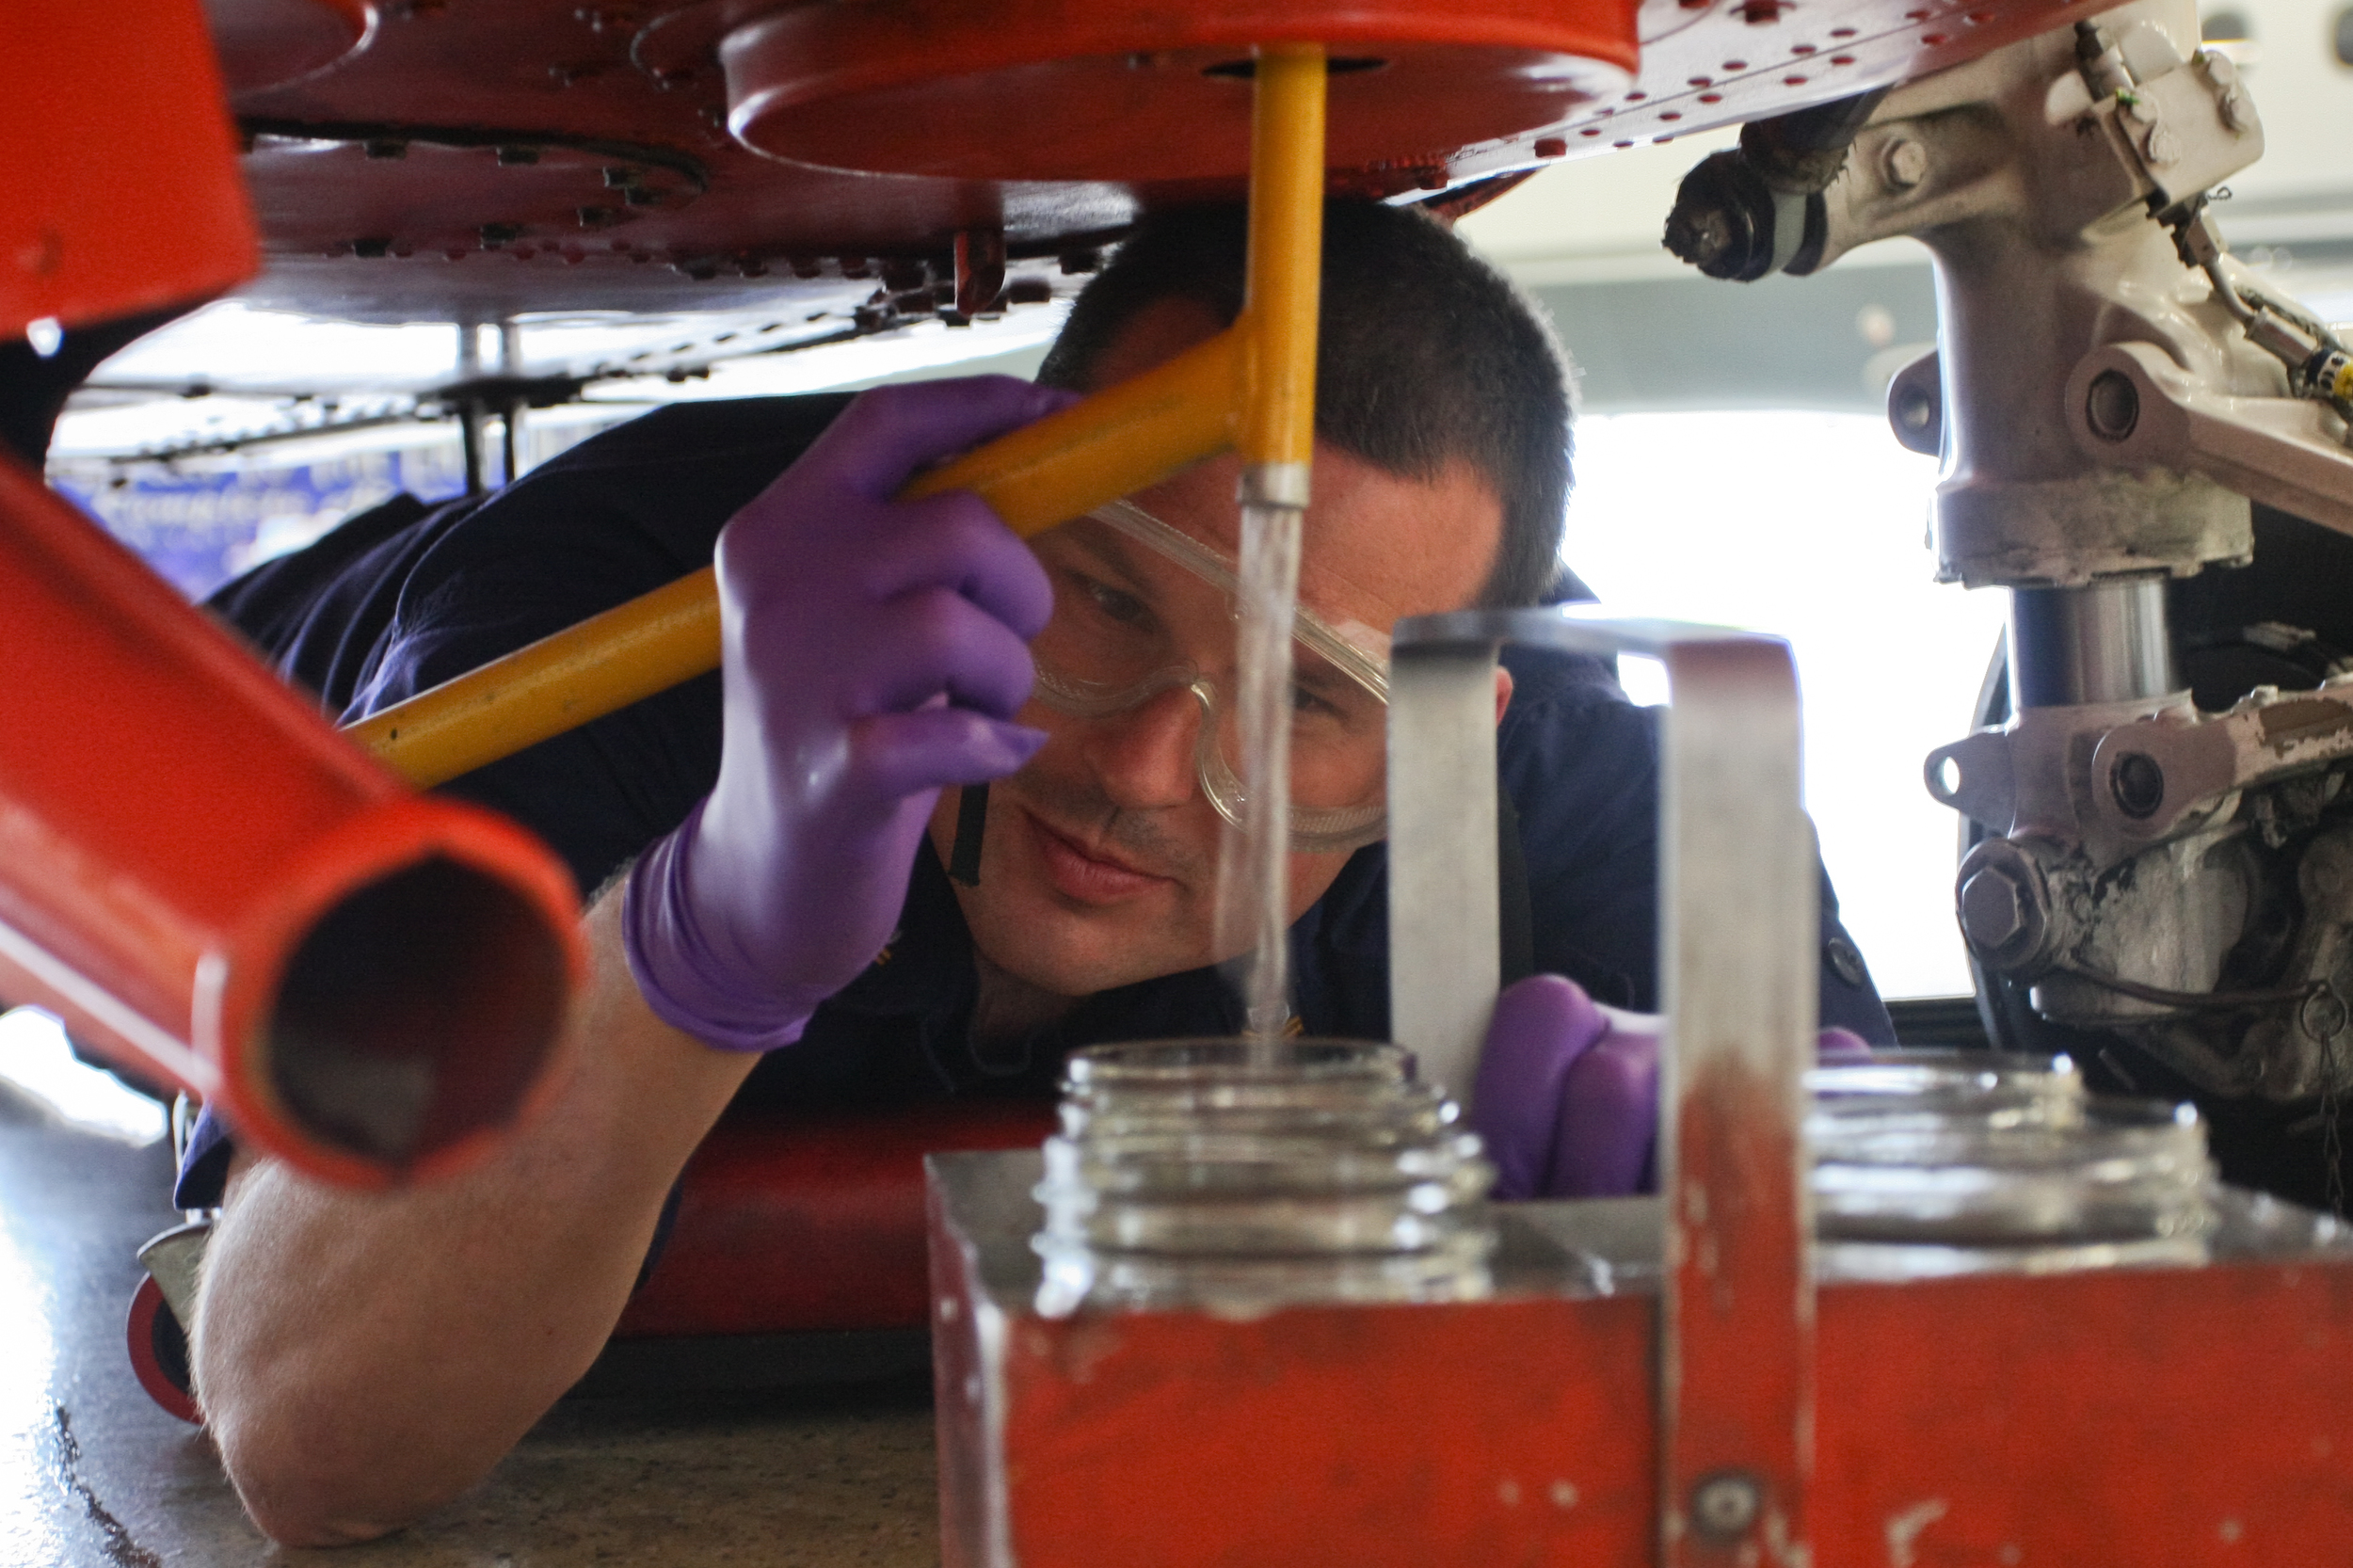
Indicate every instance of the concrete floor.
{"type": "Point", "coordinates": [92, 1473]}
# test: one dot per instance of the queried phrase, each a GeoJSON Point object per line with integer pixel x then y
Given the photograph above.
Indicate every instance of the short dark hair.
{"type": "Point", "coordinates": [1427, 356]}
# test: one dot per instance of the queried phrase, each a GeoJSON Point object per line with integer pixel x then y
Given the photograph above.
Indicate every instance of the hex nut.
{"type": "Point", "coordinates": [2005, 909]}
{"type": "Point", "coordinates": [1992, 914]}
{"type": "Point", "coordinates": [1906, 163]}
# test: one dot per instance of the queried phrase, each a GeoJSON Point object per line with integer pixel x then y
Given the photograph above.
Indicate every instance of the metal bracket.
{"type": "Point", "coordinates": [1739, 916]}
{"type": "Point", "coordinates": [2129, 404]}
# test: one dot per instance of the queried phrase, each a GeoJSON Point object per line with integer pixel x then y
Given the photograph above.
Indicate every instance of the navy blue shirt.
{"type": "Point", "coordinates": [404, 596]}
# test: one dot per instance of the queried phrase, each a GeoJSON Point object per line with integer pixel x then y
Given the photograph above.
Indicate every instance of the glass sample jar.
{"type": "Point", "coordinates": [1930, 1165]}
{"type": "Point", "coordinates": [1200, 1173]}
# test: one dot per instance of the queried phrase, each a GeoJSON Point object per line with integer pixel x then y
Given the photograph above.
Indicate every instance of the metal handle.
{"type": "Point", "coordinates": [1738, 925]}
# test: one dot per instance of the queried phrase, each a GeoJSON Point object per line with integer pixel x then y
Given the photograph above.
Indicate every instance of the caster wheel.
{"type": "Point", "coordinates": [159, 1352]}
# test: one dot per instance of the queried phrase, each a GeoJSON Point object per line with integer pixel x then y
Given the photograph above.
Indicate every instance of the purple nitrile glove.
{"type": "Point", "coordinates": [1567, 1095]}
{"type": "Point", "coordinates": [873, 651]}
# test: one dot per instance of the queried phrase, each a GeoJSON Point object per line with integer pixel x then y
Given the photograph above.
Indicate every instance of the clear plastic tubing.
{"type": "Point", "coordinates": [1224, 1176]}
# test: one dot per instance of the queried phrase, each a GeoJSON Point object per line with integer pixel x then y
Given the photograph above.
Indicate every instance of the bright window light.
{"type": "Point", "coordinates": [1811, 527]}
{"type": "Point", "coordinates": [38, 1064]}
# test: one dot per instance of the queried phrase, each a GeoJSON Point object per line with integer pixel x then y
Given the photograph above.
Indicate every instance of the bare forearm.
{"type": "Point", "coordinates": [363, 1357]}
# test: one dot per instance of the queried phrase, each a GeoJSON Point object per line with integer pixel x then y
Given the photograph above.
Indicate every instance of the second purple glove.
{"type": "Point", "coordinates": [873, 653]}
{"type": "Point", "coordinates": [1567, 1095]}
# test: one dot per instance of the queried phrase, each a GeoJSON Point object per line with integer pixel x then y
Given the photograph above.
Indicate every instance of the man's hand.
{"type": "Point", "coordinates": [873, 651]}
{"type": "Point", "coordinates": [1567, 1097]}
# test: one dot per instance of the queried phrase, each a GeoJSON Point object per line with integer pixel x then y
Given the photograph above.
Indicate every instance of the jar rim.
{"type": "Point", "coordinates": [1170, 1062]}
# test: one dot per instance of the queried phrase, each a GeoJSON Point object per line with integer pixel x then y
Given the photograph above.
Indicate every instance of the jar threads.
{"type": "Point", "coordinates": [1192, 1173]}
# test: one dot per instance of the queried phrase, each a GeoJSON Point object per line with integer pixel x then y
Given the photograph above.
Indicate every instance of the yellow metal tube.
{"type": "Point", "coordinates": [1125, 439]}
{"type": "Point", "coordinates": [1133, 436]}
{"type": "Point", "coordinates": [559, 682]}
{"type": "Point", "coordinates": [1285, 272]}
{"type": "Point", "coordinates": [1252, 387]}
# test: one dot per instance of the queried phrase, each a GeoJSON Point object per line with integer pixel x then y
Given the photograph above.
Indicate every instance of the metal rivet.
{"type": "Point", "coordinates": [1725, 1506]}
{"type": "Point", "coordinates": [1845, 961]}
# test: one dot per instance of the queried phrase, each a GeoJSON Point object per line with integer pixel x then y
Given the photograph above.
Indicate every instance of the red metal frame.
{"type": "Point", "coordinates": [2151, 1417]}
{"type": "Point", "coordinates": [967, 102]}
{"type": "Point", "coordinates": [1077, 90]}
{"type": "Point", "coordinates": [175, 823]}
{"type": "Point", "coordinates": [128, 198]}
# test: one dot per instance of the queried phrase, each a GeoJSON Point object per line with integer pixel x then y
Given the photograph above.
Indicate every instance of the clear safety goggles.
{"type": "Point", "coordinates": [1109, 648]}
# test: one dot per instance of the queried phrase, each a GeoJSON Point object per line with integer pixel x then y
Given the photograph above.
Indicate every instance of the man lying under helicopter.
{"type": "Point", "coordinates": [775, 842]}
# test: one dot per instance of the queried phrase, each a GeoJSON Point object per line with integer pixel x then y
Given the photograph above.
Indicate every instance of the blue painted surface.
{"type": "Point", "coordinates": [198, 529]}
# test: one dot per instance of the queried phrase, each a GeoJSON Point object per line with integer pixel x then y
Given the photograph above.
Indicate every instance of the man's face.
{"type": "Point", "coordinates": [1098, 864]}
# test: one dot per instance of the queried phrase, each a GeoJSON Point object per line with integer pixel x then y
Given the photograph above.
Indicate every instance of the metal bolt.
{"type": "Point", "coordinates": [2236, 112]}
{"type": "Point", "coordinates": [1991, 911]}
{"type": "Point", "coordinates": [1906, 163]}
{"type": "Point", "coordinates": [2112, 407]}
{"type": "Point", "coordinates": [2162, 147]}
{"type": "Point", "coordinates": [2138, 783]}
{"type": "Point", "coordinates": [1725, 1506]}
